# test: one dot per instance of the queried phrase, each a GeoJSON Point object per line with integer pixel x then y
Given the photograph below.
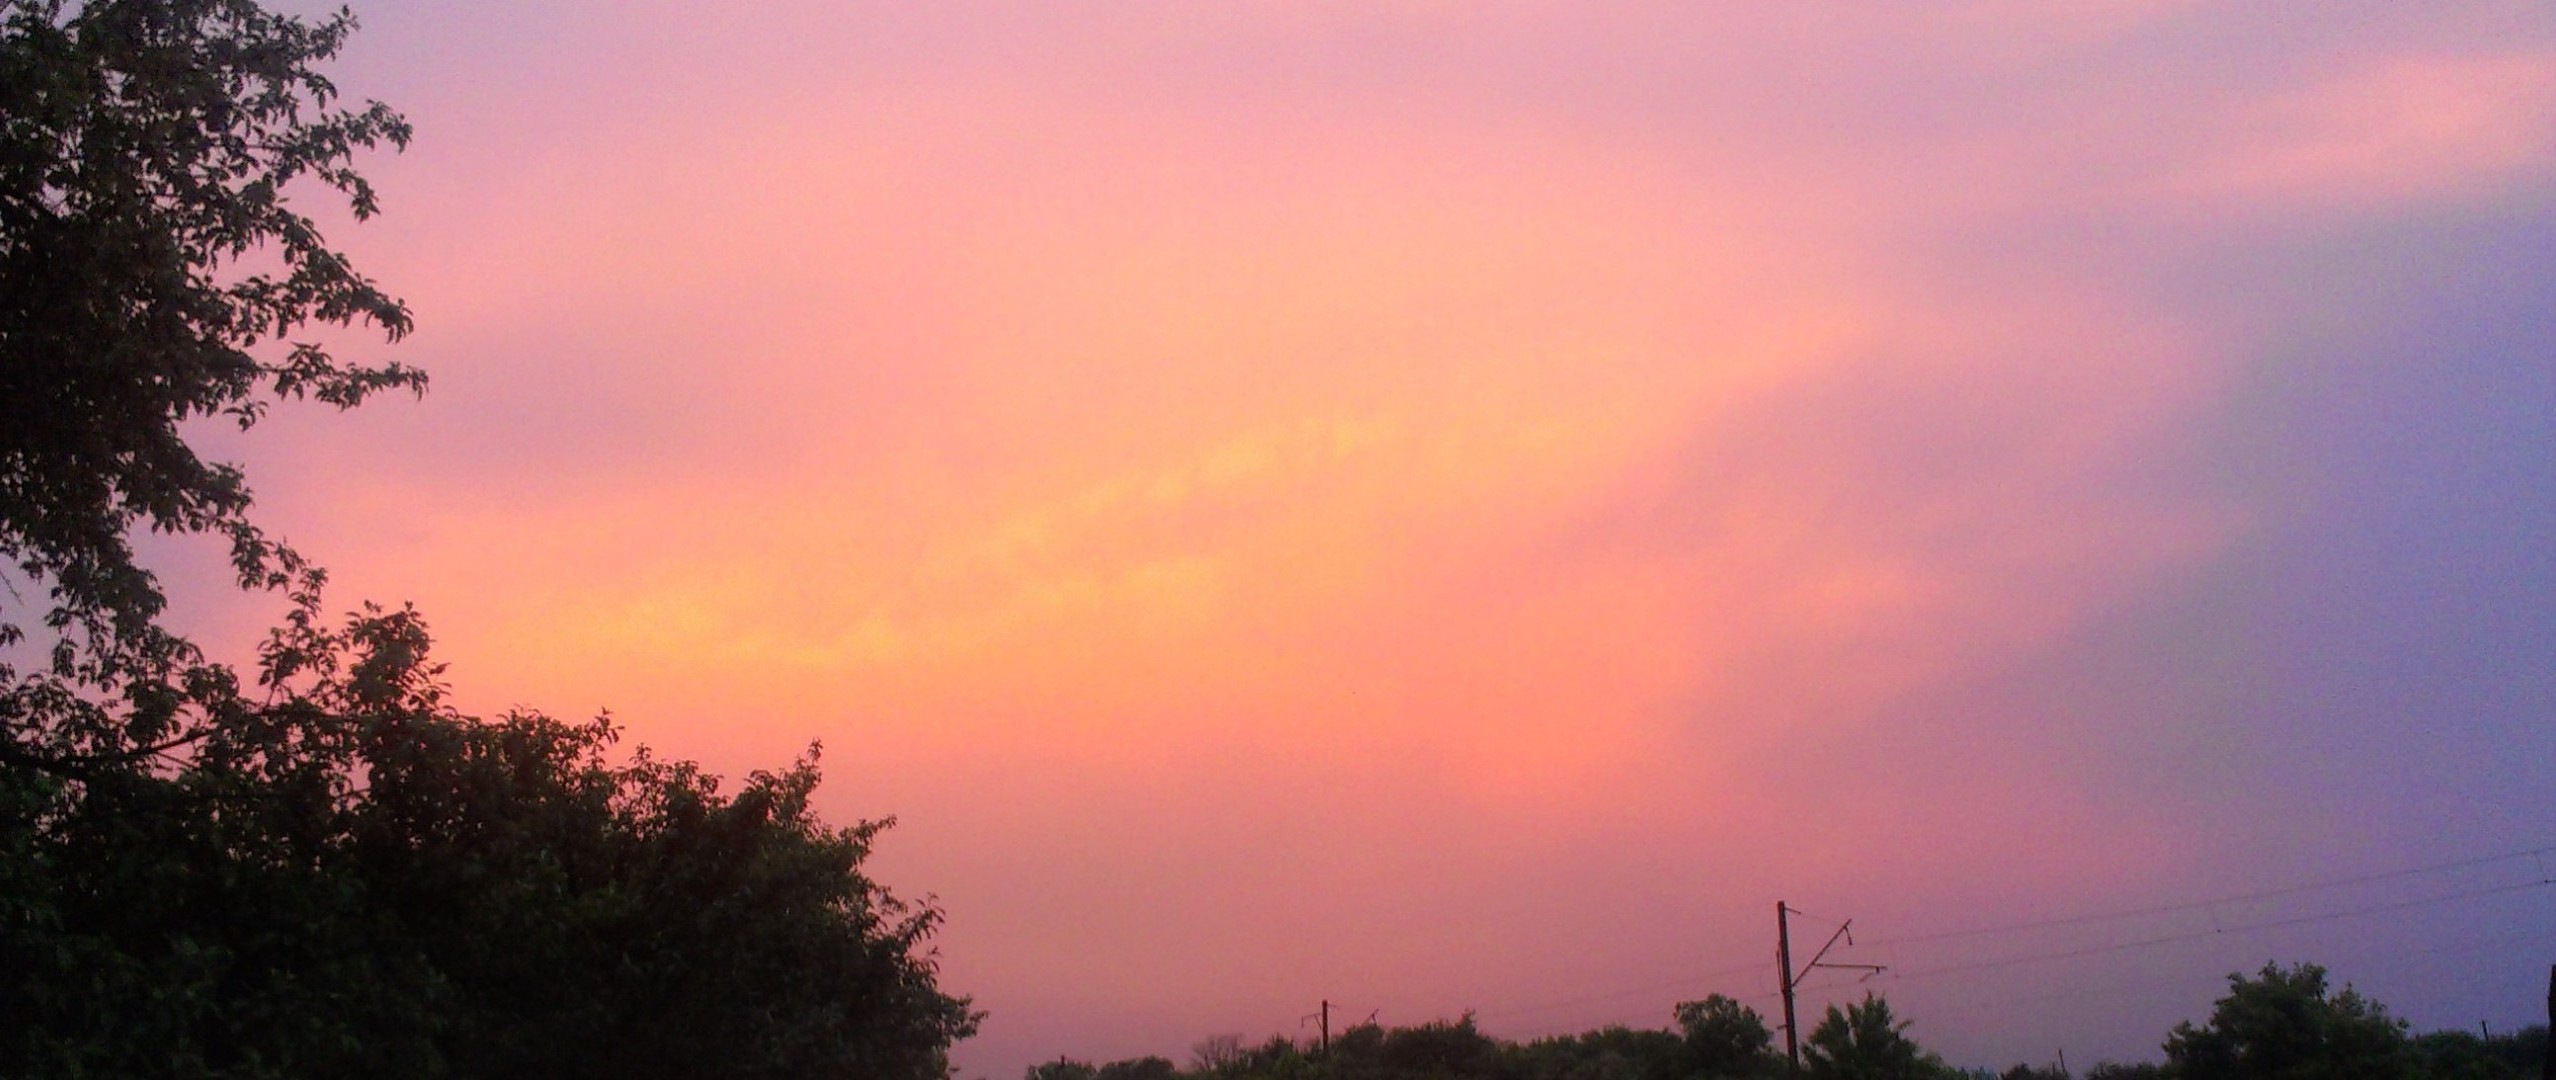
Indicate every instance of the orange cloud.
{"type": "Point", "coordinates": [1506, 449]}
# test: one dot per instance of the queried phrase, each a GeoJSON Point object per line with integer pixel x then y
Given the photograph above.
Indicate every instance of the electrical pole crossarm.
{"type": "Point", "coordinates": [1791, 978]}
{"type": "Point", "coordinates": [1843, 931]}
{"type": "Point", "coordinates": [1823, 950]}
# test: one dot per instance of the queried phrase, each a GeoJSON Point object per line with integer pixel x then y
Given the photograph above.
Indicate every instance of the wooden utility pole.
{"type": "Point", "coordinates": [1784, 971]}
{"type": "Point", "coordinates": [1326, 1027]}
{"type": "Point", "coordinates": [1784, 967]}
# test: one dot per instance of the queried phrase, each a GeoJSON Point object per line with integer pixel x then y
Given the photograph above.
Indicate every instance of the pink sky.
{"type": "Point", "coordinates": [1439, 506]}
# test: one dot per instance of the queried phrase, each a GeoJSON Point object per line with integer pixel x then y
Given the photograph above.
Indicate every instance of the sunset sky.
{"type": "Point", "coordinates": [1455, 506]}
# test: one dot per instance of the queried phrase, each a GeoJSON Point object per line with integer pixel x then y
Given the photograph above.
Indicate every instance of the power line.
{"type": "Point", "coordinates": [1513, 1014]}
{"type": "Point", "coordinates": [1816, 918]}
{"type": "Point", "coordinates": [1574, 1027]}
{"type": "Point", "coordinates": [2012, 961]}
{"type": "Point", "coordinates": [2114, 989]}
{"type": "Point", "coordinates": [2236, 898]}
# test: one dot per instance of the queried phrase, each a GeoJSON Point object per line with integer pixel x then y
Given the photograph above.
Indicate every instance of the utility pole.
{"type": "Point", "coordinates": [1784, 967]}
{"type": "Point", "coordinates": [1325, 1014]}
{"type": "Point", "coordinates": [1784, 970]}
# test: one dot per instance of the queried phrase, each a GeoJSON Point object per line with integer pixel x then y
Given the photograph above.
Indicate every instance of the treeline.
{"type": "Point", "coordinates": [354, 879]}
{"type": "Point", "coordinates": [2282, 1023]}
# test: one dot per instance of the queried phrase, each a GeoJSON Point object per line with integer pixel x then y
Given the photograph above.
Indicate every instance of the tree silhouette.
{"type": "Point", "coordinates": [357, 879]}
{"type": "Point", "coordinates": [153, 270]}
{"type": "Point", "coordinates": [1724, 1037]}
{"type": "Point", "coordinates": [2282, 1023]}
{"type": "Point", "coordinates": [1864, 1043]}
{"type": "Point", "coordinates": [338, 875]}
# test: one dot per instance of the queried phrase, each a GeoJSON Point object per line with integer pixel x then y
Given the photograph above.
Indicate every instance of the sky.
{"type": "Point", "coordinates": [1442, 507]}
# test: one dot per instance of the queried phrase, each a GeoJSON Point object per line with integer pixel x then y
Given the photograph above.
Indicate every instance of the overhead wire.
{"type": "Point", "coordinates": [2540, 854]}
{"type": "Point", "coordinates": [2234, 898]}
{"type": "Point", "coordinates": [2013, 961]}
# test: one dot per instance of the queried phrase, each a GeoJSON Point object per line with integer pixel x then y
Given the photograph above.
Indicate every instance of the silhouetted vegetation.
{"type": "Point", "coordinates": [2279, 1024]}
{"type": "Point", "coordinates": [359, 880]}
{"type": "Point", "coordinates": [322, 869]}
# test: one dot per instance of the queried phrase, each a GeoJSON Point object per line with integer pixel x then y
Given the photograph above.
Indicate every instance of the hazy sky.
{"type": "Point", "coordinates": [1442, 506]}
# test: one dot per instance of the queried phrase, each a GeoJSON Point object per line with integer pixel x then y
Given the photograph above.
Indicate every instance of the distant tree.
{"type": "Point", "coordinates": [1277, 1056]}
{"type": "Point", "coordinates": [2458, 1055]}
{"type": "Point", "coordinates": [1606, 1063]}
{"type": "Point", "coordinates": [1358, 1045]}
{"type": "Point", "coordinates": [2282, 1023]}
{"type": "Point", "coordinates": [1614, 1052]}
{"type": "Point", "coordinates": [1863, 1042]}
{"type": "Point", "coordinates": [1437, 1048]}
{"type": "Point", "coordinates": [2034, 1072]}
{"type": "Point", "coordinates": [1063, 1068]}
{"type": "Point", "coordinates": [2463, 1055]}
{"type": "Point", "coordinates": [1562, 1057]}
{"type": "Point", "coordinates": [1143, 1068]}
{"type": "Point", "coordinates": [1724, 1037]}
{"type": "Point", "coordinates": [2527, 1047]}
{"type": "Point", "coordinates": [2113, 1071]}
{"type": "Point", "coordinates": [1217, 1053]}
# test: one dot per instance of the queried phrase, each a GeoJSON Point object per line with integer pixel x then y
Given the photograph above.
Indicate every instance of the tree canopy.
{"type": "Point", "coordinates": [2283, 1022]}
{"type": "Point", "coordinates": [154, 270]}
{"type": "Point", "coordinates": [359, 879]}
{"type": "Point", "coordinates": [1725, 1036]}
{"type": "Point", "coordinates": [1864, 1042]}
{"type": "Point", "coordinates": [321, 868]}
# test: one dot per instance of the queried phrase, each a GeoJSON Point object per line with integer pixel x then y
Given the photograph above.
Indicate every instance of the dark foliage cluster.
{"type": "Point", "coordinates": [2283, 1023]}
{"type": "Point", "coordinates": [1716, 1038]}
{"type": "Point", "coordinates": [153, 271]}
{"type": "Point", "coordinates": [358, 880]}
{"type": "Point", "coordinates": [323, 869]}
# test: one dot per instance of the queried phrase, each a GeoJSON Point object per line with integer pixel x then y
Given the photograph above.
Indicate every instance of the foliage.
{"type": "Point", "coordinates": [1863, 1042]}
{"type": "Point", "coordinates": [1437, 1048]}
{"type": "Point", "coordinates": [153, 271]}
{"type": "Point", "coordinates": [336, 874]}
{"type": "Point", "coordinates": [357, 879]}
{"type": "Point", "coordinates": [1724, 1037]}
{"type": "Point", "coordinates": [1460, 1050]}
{"type": "Point", "coordinates": [1609, 1053]}
{"type": "Point", "coordinates": [2282, 1023]}
{"type": "Point", "coordinates": [1216, 1053]}
{"type": "Point", "coordinates": [2457, 1055]}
